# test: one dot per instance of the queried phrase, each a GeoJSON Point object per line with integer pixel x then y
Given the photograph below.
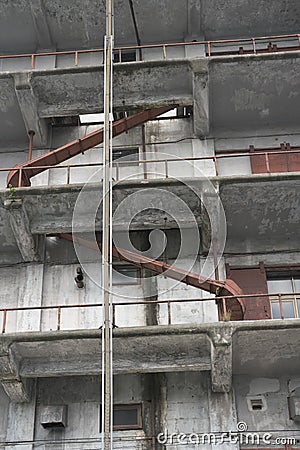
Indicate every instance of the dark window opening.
{"type": "Point", "coordinates": [123, 274]}
{"type": "Point", "coordinates": [181, 112]}
{"type": "Point", "coordinates": [126, 417]}
{"type": "Point", "coordinates": [68, 121]}
{"type": "Point", "coordinates": [124, 56]}
{"type": "Point", "coordinates": [130, 155]}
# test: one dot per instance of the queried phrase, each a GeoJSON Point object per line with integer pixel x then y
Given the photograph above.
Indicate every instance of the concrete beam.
{"type": "Point", "coordinates": [19, 391]}
{"type": "Point", "coordinates": [221, 360]}
{"type": "Point", "coordinates": [42, 29]}
{"type": "Point", "coordinates": [29, 108]}
{"type": "Point", "coordinates": [200, 97]}
{"type": "Point", "coordinates": [20, 225]}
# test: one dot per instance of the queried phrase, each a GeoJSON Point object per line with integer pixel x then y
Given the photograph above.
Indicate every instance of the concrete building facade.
{"type": "Point", "coordinates": [206, 207]}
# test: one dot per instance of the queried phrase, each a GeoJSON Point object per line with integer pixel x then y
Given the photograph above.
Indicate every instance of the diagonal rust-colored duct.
{"type": "Point", "coordinates": [220, 288]}
{"type": "Point", "coordinates": [21, 174]}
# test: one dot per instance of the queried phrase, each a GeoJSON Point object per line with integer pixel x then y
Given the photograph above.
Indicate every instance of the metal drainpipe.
{"type": "Point", "coordinates": [138, 40]}
{"type": "Point", "coordinates": [107, 403]}
{"type": "Point", "coordinates": [144, 152]}
{"type": "Point", "coordinates": [31, 133]}
{"type": "Point", "coordinates": [217, 275]}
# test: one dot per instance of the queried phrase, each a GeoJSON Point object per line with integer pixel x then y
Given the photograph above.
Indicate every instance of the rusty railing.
{"type": "Point", "coordinates": [279, 298]}
{"type": "Point", "coordinates": [219, 47]}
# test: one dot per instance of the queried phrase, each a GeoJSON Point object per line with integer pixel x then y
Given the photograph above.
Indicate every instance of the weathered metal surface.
{"type": "Point", "coordinates": [20, 176]}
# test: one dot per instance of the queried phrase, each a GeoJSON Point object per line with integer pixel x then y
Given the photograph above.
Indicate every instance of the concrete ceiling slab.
{"type": "Point", "coordinates": [242, 18]}
{"type": "Point", "coordinates": [81, 23]}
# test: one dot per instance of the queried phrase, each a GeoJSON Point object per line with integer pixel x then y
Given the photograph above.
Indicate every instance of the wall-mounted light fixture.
{"type": "Point", "coordinates": [79, 278]}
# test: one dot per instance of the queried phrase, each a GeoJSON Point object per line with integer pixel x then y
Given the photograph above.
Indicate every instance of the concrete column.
{"type": "Point", "coordinates": [223, 418]}
{"type": "Point", "coordinates": [221, 359]}
{"type": "Point", "coordinates": [20, 225]}
{"type": "Point", "coordinates": [21, 423]}
{"type": "Point", "coordinates": [149, 286]}
{"type": "Point", "coordinates": [29, 108]}
{"type": "Point", "coordinates": [201, 97]}
{"type": "Point", "coordinates": [18, 390]}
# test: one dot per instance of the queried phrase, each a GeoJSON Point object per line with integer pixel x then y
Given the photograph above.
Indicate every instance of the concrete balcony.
{"type": "Point", "coordinates": [261, 211]}
{"type": "Point", "coordinates": [247, 104]}
{"type": "Point", "coordinates": [223, 349]}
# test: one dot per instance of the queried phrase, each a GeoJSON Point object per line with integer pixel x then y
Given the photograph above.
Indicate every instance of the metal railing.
{"type": "Point", "coordinates": [165, 162]}
{"type": "Point", "coordinates": [280, 298]}
{"type": "Point", "coordinates": [254, 45]}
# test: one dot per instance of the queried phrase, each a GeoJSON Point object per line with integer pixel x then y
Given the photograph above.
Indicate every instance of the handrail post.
{"type": "Point", "coordinates": [267, 162]}
{"type": "Point", "coordinates": [166, 169]}
{"type": "Point", "coordinates": [164, 52]}
{"type": "Point", "coordinates": [114, 314]}
{"type": "Point", "coordinates": [68, 174]}
{"type": "Point", "coordinates": [4, 321]}
{"type": "Point", "coordinates": [32, 61]}
{"type": "Point", "coordinates": [224, 307]}
{"type": "Point", "coordinates": [208, 48]}
{"type": "Point", "coordinates": [117, 171]}
{"type": "Point", "coordinates": [281, 306]}
{"type": "Point", "coordinates": [169, 314]}
{"type": "Point", "coordinates": [216, 166]}
{"type": "Point", "coordinates": [58, 318]}
{"type": "Point", "coordinates": [20, 177]}
{"type": "Point", "coordinates": [76, 58]}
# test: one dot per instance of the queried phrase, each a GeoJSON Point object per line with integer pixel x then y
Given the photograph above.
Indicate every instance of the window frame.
{"type": "Point", "coordinates": [136, 281]}
{"type": "Point", "coordinates": [125, 407]}
{"type": "Point", "coordinates": [292, 297]}
{"type": "Point", "coordinates": [125, 163]}
{"type": "Point", "coordinates": [130, 406]}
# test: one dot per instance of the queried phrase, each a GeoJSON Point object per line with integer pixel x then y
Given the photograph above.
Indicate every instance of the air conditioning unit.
{"type": "Point", "coordinates": [54, 416]}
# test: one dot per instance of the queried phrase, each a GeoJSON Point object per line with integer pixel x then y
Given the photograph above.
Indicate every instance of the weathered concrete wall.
{"type": "Point", "coordinates": [26, 292]}
{"type": "Point", "coordinates": [4, 410]}
{"type": "Point", "coordinates": [84, 420]}
{"type": "Point", "coordinates": [274, 391]}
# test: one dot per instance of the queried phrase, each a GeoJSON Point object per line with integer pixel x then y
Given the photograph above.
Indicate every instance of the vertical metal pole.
{"type": "Point", "coordinates": [107, 235]}
{"type": "Point", "coordinates": [31, 134]}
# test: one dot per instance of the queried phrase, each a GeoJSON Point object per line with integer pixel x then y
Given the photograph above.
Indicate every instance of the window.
{"type": "Point", "coordinates": [129, 155]}
{"type": "Point", "coordinates": [126, 417]}
{"type": "Point", "coordinates": [124, 56]}
{"type": "Point", "coordinates": [123, 274]}
{"type": "Point", "coordinates": [177, 113]}
{"type": "Point", "coordinates": [290, 303]}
